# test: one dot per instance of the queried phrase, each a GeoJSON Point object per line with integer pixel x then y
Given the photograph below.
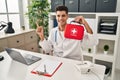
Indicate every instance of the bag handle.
{"type": "Point", "coordinates": [75, 22]}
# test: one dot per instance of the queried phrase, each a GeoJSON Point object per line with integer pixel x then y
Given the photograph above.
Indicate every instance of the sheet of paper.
{"type": "Point", "coordinates": [48, 66]}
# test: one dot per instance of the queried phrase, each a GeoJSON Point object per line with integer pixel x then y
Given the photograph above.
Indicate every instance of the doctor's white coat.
{"type": "Point", "coordinates": [64, 47]}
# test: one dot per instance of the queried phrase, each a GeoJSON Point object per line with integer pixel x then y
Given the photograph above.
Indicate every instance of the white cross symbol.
{"type": "Point", "coordinates": [74, 31]}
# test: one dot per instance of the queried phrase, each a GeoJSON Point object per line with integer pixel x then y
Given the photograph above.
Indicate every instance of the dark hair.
{"type": "Point", "coordinates": [62, 8]}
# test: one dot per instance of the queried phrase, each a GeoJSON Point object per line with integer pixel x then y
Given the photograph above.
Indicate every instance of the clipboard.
{"type": "Point", "coordinates": [47, 67]}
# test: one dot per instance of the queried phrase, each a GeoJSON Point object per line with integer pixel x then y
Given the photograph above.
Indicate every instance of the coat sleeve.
{"type": "Point", "coordinates": [89, 40]}
{"type": "Point", "coordinates": [47, 44]}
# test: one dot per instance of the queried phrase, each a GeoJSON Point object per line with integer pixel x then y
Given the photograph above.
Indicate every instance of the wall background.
{"type": "Point", "coordinates": [118, 6]}
{"type": "Point", "coordinates": [26, 2]}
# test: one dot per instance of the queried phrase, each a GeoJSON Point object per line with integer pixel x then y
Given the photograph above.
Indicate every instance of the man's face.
{"type": "Point", "coordinates": [61, 17]}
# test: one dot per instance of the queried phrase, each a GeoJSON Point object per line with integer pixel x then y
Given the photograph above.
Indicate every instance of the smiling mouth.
{"type": "Point", "coordinates": [61, 21]}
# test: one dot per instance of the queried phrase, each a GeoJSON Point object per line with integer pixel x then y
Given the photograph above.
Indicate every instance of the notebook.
{"type": "Point", "coordinates": [47, 67]}
{"type": "Point", "coordinates": [17, 56]}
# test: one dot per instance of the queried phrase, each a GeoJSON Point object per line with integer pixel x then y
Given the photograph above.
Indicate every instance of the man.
{"type": "Point", "coordinates": [60, 46]}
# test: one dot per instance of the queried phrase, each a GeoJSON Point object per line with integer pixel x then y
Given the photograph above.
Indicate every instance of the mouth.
{"type": "Point", "coordinates": [61, 22]}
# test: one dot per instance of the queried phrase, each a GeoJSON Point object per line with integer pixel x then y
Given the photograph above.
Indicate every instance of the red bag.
{"type": "Point", "coordinates": [73, 31]}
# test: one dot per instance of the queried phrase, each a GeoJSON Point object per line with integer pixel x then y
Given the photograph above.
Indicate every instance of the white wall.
{"type": "Point", "coordinates": [25, 10]}
{"type": "Point", "coordinates": [118, 6]}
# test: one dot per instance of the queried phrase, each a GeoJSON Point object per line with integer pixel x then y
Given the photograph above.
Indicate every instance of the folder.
{"type": "Point", "coordinates": [47, 67]}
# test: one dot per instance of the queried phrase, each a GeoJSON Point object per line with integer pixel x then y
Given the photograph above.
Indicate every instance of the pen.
{"type": "Point", "coordinates": [45, 68]}
{"type": "Point", "coordinates": [40, 73]}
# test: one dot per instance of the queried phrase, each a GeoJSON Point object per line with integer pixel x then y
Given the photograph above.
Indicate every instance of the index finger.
{"type": "Point", "coordinates": [37, 24]}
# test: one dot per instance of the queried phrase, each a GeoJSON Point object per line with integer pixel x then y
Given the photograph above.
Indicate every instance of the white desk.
{"type": "Point", "coordinates": [12, 70]}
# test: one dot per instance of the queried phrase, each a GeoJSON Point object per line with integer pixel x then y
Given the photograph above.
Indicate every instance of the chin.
{"type": "Point", "coordinates": [62, 24]}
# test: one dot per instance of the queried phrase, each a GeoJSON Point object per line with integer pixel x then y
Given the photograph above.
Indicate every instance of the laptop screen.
{"type": "Point", "coordinates": [17, 56]}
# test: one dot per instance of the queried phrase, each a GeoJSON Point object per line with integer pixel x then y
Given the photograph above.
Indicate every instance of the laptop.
{"type": "Point", "coordinates": [17, 56]}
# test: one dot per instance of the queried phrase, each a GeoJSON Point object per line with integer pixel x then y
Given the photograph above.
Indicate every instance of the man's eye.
{"type": "Point", "coordinates": [58, 15]}
{"type": "Point", "coordinates": [63, 15]}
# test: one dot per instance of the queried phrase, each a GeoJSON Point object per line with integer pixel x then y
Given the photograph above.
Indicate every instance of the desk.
{"type": "Point", "coordinates": [12, 70]}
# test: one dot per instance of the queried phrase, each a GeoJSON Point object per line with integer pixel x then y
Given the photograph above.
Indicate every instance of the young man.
{"type": "Point", "coordinates": [60, 46]}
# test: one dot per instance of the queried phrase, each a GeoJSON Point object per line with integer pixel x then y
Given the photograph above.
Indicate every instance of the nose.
{"type": "Point", "coordinates": [60, 18]}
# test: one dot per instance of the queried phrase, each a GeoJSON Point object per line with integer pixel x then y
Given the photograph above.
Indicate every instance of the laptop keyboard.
{"type": "Point", "coordinates": [31, 59]}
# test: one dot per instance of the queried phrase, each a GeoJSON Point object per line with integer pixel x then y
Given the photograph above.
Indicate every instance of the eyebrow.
{"type": "Point", "coordinates": [61, 15]}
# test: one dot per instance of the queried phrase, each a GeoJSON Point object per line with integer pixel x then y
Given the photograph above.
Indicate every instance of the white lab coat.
{"type": "Point", "coordinates": [64, 47]}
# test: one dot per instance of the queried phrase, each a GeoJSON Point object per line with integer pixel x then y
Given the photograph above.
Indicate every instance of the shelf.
{"type": "Point", "coordinates": [3, 35]}
{"type": "Point", "coordinates": [101, 56]}
{"type": "Point", "coordinates": [100, 50]}
{"type": "Point", "coordinates": [85, 53]}
{"type": "Point", "coordinates": [107, 78]}
{"type": "Point", "coordinates": [108, 71]}
{"type": "Point", "coordinates": [74, 14]}
{"type": "Point", "coordinates": [107, 14]}
{"type": "Point", "coordinates": [107, 36]}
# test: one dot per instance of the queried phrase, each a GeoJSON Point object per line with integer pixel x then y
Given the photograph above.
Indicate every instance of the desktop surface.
{"type": "Point", "coordinates": [12, 70]}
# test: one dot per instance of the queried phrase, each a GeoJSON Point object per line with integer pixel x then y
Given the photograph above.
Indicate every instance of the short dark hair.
{"type": "Point", "coordinates": [62, 8]}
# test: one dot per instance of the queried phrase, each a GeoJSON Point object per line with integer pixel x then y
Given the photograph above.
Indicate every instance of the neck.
{"type": "Point", "coordinates": [62, 28]}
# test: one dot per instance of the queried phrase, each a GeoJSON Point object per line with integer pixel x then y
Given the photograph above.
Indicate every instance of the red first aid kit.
{"type": "Point", "coordinates": [73, 31]}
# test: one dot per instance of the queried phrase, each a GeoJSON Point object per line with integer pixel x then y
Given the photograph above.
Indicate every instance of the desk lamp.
{"type": "Point", "coordinates": [9, 28]}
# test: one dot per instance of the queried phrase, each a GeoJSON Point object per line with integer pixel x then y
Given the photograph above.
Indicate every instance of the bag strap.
{"type": "Point", "coordinates": [55, 36]}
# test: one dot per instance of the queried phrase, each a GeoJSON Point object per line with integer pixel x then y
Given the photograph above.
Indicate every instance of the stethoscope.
{"type": "Point", "coordinates": [55, 39]}
{"type": "Point", "coordinates": [56, 36]}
